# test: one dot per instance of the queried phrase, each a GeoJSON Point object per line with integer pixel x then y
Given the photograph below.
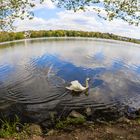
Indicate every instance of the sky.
{"type": "Point", "coordinates": [48, 17]}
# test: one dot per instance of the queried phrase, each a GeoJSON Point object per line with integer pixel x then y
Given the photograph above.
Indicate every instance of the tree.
{"type": "Point", "coordinates": [127, 10]}
{"type": "Point", "coordinates": [9, 36]}
{"type": "Point", "coordinates": [10, 10]}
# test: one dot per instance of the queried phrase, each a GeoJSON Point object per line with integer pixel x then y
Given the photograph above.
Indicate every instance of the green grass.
{"type": "Point", "coordinates": [12, 129]}
{"type": "Point", "coordinates": [15, 130]}
{"type": "Point", "coordinates": [138, 120]}
{"type": "Point", "coordinates": [70, 121]}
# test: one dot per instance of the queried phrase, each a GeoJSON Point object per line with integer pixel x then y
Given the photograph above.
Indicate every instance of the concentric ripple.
{"type": "Point", "coordinates": [34, 74]}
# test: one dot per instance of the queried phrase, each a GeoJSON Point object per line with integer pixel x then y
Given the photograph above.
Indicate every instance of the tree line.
{"type": "Point", "coordinates": [10, 36]}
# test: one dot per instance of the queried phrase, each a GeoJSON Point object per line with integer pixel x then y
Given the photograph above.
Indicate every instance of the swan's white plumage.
{"type": "Point", "coordinates": [76, 86]}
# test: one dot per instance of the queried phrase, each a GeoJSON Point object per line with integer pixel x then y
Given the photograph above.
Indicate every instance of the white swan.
{"type": "Point", "coordinates": [77, 87]}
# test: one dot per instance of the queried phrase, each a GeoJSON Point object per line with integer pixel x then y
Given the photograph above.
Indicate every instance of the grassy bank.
{"type": "Point", "coordinates": [123, 130]}
{"type": "Point", "coordinates": [11, 36]}
{"type": "Point", "coordinates": [72, 129]}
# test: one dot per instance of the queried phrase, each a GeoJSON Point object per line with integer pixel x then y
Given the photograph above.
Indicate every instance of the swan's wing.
{"type": "Point", "coordinates": [76, 85]}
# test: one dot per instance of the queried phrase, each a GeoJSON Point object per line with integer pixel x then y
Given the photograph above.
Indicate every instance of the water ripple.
{"type": "Point", "coordinates": [36, 81]}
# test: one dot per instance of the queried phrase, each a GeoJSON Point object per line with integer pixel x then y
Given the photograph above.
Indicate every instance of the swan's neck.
{"type": "Point", "coordinates": [87, 85]}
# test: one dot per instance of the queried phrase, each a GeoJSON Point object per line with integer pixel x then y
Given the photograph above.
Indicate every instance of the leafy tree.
{"type": "Point", "coordinates": [10, 10]}
{"type": "Point", "coordinates": [126, 10]}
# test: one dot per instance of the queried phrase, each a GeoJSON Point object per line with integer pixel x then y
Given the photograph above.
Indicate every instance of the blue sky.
{"type": "Point", "coordinates": [49, 17]}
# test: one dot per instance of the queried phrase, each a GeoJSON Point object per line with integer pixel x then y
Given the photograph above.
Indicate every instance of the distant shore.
{"type": "Point", "coordinates": [18, 36]}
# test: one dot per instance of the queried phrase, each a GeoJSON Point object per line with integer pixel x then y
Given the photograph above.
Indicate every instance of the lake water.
{"type": "Point", "coordinates": [34, 74]}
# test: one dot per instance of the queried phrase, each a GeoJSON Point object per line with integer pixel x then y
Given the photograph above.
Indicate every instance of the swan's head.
{"type": "Point", "coordinates": [87, 79]}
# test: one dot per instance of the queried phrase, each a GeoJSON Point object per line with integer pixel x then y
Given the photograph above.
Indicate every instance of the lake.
{"type": "Point", "coordinates": [34, 74]}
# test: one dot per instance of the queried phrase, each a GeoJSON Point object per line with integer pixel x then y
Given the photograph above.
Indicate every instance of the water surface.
{"type": "Point", "coordinates": [34, 74]}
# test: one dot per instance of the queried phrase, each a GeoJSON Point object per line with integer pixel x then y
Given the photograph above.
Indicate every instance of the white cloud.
{"type": "Point", "coordinates": [87, 21]}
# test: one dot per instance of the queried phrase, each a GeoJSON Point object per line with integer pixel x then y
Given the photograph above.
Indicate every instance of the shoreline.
{"type": "Point", "coordinates": [11, 36]}
{"type": "Point", "coordinates": [122, 129]}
